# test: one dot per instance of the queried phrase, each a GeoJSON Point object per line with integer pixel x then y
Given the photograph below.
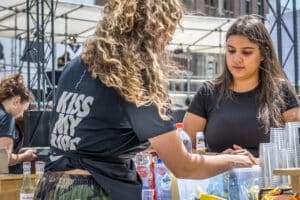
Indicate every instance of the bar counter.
{"type": "Point", "coordinates": [10, 185]}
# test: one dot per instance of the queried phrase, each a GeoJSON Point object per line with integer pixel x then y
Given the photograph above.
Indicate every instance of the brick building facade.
{"type": "Point", "coordinates": [227, 8]}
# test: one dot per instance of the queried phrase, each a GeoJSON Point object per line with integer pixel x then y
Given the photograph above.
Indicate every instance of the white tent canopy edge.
{"type": "Point", "coordinates": [200, 34]}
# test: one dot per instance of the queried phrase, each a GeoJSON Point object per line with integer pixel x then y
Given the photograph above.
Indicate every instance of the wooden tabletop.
{"type": "Point", "coordinates": [11, 176]}
{"type": "Point", "coordinates": [287, 171]}
{"type": "Point", "coordinates": [294, 173]}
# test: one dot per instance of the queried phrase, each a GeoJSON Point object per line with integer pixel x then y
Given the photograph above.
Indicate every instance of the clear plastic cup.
{"type": "Point", "coordinates": [268, 156]}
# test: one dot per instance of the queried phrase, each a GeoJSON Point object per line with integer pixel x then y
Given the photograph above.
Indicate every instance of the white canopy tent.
{"type": "Point", "coordinates": [70, 19]}
{"type": "Point", "coordinates": [201, 34]}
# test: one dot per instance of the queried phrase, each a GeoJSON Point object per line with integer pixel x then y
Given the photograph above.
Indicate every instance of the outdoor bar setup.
{"type": "Point", "coordinates": [42, 33]}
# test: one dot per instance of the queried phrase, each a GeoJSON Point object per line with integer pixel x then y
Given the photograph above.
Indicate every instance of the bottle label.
{"type": "Point", "coordinates": [163, 183]}
{"type": "Point", "coordinates": [200, 147]}
{"type": "Point", "coordinates": [185, 139]}
{"type": "Point", "coordinates": [146, 176]}
{"type": "Point", "coordinates": [200, 143]}
{"type": "Point", "coordinates": [26, 196]}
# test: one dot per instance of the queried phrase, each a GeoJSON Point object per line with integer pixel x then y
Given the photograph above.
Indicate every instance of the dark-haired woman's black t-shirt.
{"type": "Point", "coordinates": [234, 121]}
{"type": "Point", "coordinates": [95, 129]}
{"type": "Point", "coordinates": [9, 129]}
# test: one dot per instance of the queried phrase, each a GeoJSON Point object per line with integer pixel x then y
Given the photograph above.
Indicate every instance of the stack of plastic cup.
{"type": "Point", "coordinates": [269, 162]}
{"type": "Point", "coordinates": [293, 145]}
{"type": "Point", "coordinates": [279, 143]}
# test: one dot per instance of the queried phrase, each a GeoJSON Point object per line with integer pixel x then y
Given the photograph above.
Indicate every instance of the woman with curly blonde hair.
{"type": "Point", "coordinates": [14, 100]}
{"type": "Point", "coordinates": [113, 103]}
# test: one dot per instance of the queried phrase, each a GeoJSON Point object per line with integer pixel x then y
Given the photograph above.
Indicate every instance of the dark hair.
{"type": "Point", "coordinates": [272, 78]}
{"type": "Point", "coordinates": [12, 86]}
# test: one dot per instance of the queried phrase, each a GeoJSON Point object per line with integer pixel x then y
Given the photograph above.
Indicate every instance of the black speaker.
{"type": "Point", "coordinates": [37, 128]}
{"type": "Point", "coordinates": [34, 52]}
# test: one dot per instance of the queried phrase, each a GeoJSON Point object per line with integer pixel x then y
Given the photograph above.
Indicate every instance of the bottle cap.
{"type": "Point", "coordinates": [159, 161]}
{"type": "Point", "coordinates": [179, 125]}
{"type": "Point", "coordinates": [26, 166]}
{"type": "Point", "coordinates": [39, 165]}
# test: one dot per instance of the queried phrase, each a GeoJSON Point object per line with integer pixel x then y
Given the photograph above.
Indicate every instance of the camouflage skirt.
{"type": "Point", "coordinates": [60, 186]}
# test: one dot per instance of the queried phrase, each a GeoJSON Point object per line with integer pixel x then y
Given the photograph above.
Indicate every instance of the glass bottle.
{"type": "Point", "coordinates": [27, 189]}
{"type": "Point", "coordinates": [39, 171]}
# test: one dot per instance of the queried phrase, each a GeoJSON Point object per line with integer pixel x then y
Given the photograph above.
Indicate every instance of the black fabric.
{"type": "Point", "coordinates": [93, 128]}
{"type": "Point", "coordinates": [235, 120]}
{"type": "Point", "coordinates": [18, 139]}
{"type": "Point", "coordinates": [37, 128]}
{"type": "Point", "coordinates": [8, 128]}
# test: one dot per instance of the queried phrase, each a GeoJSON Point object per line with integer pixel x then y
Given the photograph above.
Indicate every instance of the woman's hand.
{"type": "Point", "coordinates": [28, 155]}
{"type": "Point", "coordinates": [237, 150]}
{"type": "Point", "coordinates": [237, 160]}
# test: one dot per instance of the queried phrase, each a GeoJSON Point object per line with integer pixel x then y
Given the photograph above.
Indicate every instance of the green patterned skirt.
{"type": "Point", "coordinates": [60, 186]}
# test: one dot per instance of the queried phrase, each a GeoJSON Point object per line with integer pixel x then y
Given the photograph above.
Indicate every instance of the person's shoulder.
{"type": "Point", "coordinates": [74, 66]}
{"type": "Point", "coordinates": [284, 85]}
{"type": "Point", "coordinates": [77, 61]}
{"type": "Point", "coordinates": [207, 88]}
{"type": "Point", "coordinates": [5, 118]}
{"type": "Point", "coordinates": [209, 85]}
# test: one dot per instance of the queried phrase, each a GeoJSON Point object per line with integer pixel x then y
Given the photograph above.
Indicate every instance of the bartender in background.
{"type": "Point", "coordinates": [14, 100]}
{"type": "Point", "coordinates": [237, 109]}
{"type": "Point", "coordinates": [62, 60]}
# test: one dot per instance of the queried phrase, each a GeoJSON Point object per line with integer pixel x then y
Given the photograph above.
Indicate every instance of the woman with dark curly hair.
{"type": "Point", "coordinates": [251, 95]}
{"type": "Point", "coordinates": [14, 100]}
{"type": "Point", "coordinates": [112, 102]}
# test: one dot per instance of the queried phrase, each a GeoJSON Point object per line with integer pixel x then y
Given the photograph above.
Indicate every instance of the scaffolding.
{"type": "Point", "coordinates": [39, 49]}
{"type": "Point", "coordinates": [279, 28]}
{"type": "Point", "coordinates": [42, 24]}
{"type": "Point", "coordinates": [49, 22]}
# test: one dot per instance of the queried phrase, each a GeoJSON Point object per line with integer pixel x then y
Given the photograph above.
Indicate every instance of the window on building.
{"type": "Point", "coordinates": [259, 8]}
{"type": "Point", "coordinates": [214, 3]}
{"type": "Point", "coordinates": [247, 4]}
{"type": "Point", "coordinates": [225, 5]}
{"type": "Point", "coordinates": [211, 2]}
{"type": "Point", "coordinates": [228, 5]}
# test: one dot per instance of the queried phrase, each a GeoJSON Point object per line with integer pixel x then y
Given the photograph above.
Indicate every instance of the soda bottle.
{"type": "Point", "coordinates": [162, 181]}
{"type": "Point", "coordinates": [39, 171]}
{"type": "Point", "coordinates": [27, 189]}
{"type": "Point", "coordinates": [184, 136]}
{"type": "Point", "coordinates": [200, 142]}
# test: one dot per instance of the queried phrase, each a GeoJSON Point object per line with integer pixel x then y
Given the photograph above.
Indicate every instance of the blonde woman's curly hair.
{"type": "Point", "coordinates": [13, 85]}
{"type": "Point", "coordinates": [127, 50]}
